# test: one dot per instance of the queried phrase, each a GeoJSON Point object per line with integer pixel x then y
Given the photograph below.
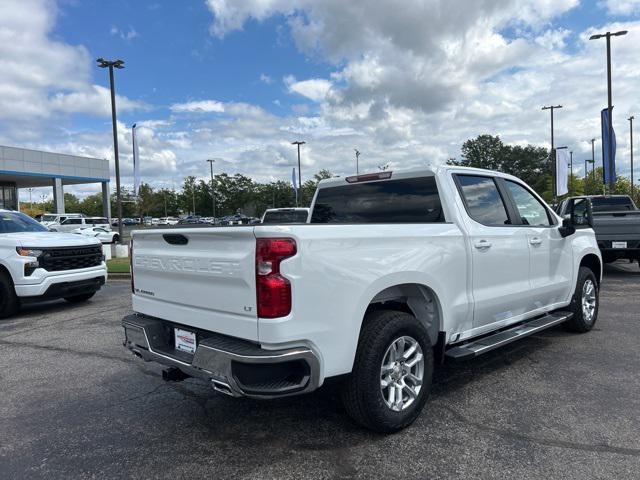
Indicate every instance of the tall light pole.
{"type": "Point", "coordinates": [570, 171]}
{"type": "Point", "coordinates": [631, 146]}
{"type": "Point", "coordinates": [586, 161]}
{"type": "Point", "coordinates": [553, 153]}
{"type": "Point", "coordinates": [213, 196]}
{"type": "Point", "coordinates": [357, 157]}
{"type": "Point", "coordinates": [119, 64]}
{"type": "Point", "coordinates": [608, 35]}
{"type": "Point", "coordinates": [298, 143]}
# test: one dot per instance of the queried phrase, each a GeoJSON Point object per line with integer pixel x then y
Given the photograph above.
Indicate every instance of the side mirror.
{"type": "Point", "coordinates": [567, 228]}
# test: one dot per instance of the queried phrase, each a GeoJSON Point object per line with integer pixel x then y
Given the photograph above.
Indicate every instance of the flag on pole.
{"type": "Point", "coordinates": [136, 162]}
{"type": "Point", "coordinates": [562, 171]}
{"type": "Point", "coordinates": [609, 164]}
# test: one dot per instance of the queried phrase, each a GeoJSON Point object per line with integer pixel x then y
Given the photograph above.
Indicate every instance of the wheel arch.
{"type": "Point", "coordinates": [592, 262]}
{"type": "Point", "coordinates": [4, 269]}
{"type": "Point", "coordinates": [417, 299]}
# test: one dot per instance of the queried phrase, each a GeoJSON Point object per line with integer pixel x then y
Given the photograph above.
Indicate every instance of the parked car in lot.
{"type": "Point", "coordinates": [48, 219]}
{"type": "Point", "coordinates": [615, 220]}
{"type": "Point", "coordinates": [73, 223]}
{"type": "Point", "coordinates": [394, 272]}
{"type": "Point", "coordinates": [168, 221]}
{"type": "Point", "coordinates": [102, 234]}
{"type": "Point", "coordinates": [36, 263]}
{"type": "Point", "coordinates": [285, 215]}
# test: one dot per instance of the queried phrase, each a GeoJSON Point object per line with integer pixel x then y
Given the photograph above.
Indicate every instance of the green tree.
{"type": "Point", "coordinates": [530, 163]}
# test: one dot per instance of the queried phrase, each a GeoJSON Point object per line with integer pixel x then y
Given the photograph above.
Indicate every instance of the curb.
{"type": "Point", "coordinates": [119, 276]}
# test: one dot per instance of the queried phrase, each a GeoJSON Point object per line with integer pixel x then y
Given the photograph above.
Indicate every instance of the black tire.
{"type": "Point", "coordinates": [80, 298]}
{"type": "Point", "coordinates": [9, 302]}
{"type": "Point", "coordinates": [361, 393]}
{"type": "Point", "coordinates": [580, 323]}
{"type": "Point", "coordinates": [115, 239]}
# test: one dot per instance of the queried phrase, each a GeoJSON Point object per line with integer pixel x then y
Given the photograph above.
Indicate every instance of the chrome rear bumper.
{"type": "Point", "coordinates": [233, 366]}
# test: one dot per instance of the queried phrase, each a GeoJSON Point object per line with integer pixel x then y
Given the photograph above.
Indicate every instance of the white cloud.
{"type": "Point", "coordinates": [44, 81]}
{"type": "Point", "coordinates": [94, 100]}
{"type": "Point", "coordinates": [198, 106]}
{"type": "Point", "coordinates": [315, 89]}
{"type": "Point", "coordinates": [127, 35]}
{"type": "Point", "coordinates": [264, 78]}
{"type": "Point", "coordinates": [621, 7]}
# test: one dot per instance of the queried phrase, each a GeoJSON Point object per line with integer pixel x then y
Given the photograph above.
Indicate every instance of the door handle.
{"type": "Point", "coordinates": [535, 241]}
{"type": "Point", "coordinates": [482, 245]}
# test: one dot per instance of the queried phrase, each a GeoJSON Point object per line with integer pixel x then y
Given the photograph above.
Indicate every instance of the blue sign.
{"type": "Point", "coordinates": [609, 164]}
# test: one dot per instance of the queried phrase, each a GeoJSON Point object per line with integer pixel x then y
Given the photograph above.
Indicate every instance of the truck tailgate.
{"type": "Point", "coordinates": [617, 225]}
{"type": "Point", "coordinates": [199, 277]}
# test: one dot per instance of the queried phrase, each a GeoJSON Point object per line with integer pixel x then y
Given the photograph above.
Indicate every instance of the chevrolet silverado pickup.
{"type": "Point", "coordinates": [393, 272]}
{"type": "Point", "coordinates": [615, 219]}
{"type": "Point", "coordinates": [38, 264]}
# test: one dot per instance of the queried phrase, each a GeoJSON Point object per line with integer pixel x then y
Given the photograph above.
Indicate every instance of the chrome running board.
{"type": "Point", "coordinates": [493, 341]}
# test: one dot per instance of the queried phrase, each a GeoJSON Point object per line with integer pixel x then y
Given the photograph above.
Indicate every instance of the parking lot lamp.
{"type": "Point", "coordinates": [111, 64]}
{"type": "Point", "coordinates": [608, 35]}
{"type": "Point", "coordinates": [298, 143]}
{"type": "Point", "coordinates": [552, 155]}
{"type": "Point", "coordinates": [631, 147]}
{"type": "Point", "coordinates": [213, 196]}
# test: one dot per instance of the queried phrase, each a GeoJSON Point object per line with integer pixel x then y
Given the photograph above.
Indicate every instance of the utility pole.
{"type": "Point", "coordinates": [213, 196]}
{"type": "Point", "coordinates": [298, 143]}
{"type": "Point", "coordinates": [553, 153]}
{"type": "Point", "coordinates": [631, 146]}
{"type": "Point", "coordinates": [119, 64]}
{"type": "Point", "coordinates": [608, 35]}
{"type": "Point", "coordinates": [193, 200]}
{"type": "Point", "coordinates": [357, 157]}
{"type": "Point", "coordinates": [165, 203]}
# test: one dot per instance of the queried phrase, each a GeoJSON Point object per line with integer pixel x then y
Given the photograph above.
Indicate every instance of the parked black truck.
{"type": "Point", "coordinates": [614, 218]}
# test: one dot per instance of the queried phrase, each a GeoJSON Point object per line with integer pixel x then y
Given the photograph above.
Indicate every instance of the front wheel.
{"type": "Point", "coordinates": [585, 302]}
{"type": "Point", "coordinates": [115, 239]}
{"type": "Point", "coordinates": [9, 302]}
{"type": "Point", "coordinates": [391, 377]}
{"type": "Point", "coordinates": [80, 298]}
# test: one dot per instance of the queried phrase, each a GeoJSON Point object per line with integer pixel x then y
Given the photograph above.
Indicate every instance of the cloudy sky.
{"type": "Point", "coordinates": [405, 82]}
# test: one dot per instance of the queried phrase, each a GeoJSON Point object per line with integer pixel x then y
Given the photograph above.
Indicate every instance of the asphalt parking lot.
{"type": "Point", "coordinates": [75, 404]}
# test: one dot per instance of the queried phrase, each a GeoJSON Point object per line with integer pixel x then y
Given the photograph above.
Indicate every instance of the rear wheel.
{"type": "Point", "coordinates": [115, 239]}
{"type": "Point", "coordinates": [585, 302]}
{"type": "Point", "coordinates": [80, 298]}
{"type": "Point", "coordinates": [392, 372]}
{"type": "Point", "coordinates": [9, 302]}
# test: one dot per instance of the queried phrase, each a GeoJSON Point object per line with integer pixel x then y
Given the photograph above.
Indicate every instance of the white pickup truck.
{"type": "Point", "coordinates": [38, 264]}
{"type": "Point", "coordinates": [393, 273]}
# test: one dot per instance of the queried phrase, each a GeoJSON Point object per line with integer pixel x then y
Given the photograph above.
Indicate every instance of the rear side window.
{"type": "Point", "coordinates": [483, 200]}
{"type": "Point", "coordinates": [412, 200]}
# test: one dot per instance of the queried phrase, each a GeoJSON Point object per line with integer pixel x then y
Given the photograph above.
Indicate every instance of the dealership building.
{"type": "Point", "coordinates": [24, 168]}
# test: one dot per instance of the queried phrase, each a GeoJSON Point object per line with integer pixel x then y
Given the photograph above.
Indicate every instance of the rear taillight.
{"type": "Point", "coordinates": [273, 291]}
{"type": "Point", "coordinates": [133, 290]}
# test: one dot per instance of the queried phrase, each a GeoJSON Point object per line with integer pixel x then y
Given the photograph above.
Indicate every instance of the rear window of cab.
{"type": "Point", "coordinates": [411, 200]}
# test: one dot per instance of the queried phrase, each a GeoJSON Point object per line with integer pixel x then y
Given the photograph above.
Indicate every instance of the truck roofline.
{"type": "Point", "coordinates": [429, 171]}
